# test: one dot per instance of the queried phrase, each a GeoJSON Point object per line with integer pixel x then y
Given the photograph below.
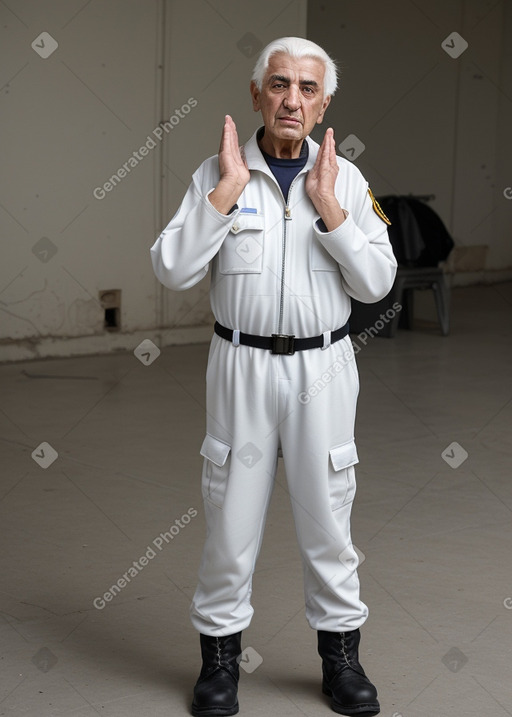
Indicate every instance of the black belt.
{"type": "Point", "coordinates": [280, 343]}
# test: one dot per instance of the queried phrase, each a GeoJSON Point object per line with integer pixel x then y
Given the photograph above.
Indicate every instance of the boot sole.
{"type": "Point", "coordinates": [214, 711]}
{"type": "Point", "coordinates": [363, 710]}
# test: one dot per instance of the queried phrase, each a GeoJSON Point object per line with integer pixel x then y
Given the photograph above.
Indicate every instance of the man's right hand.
{"type": "Point", "coordinates": [234, 174]}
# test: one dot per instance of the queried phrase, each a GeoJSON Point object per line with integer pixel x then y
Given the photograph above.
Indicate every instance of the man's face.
{"type": "Point", "coordinates": [291, 99]}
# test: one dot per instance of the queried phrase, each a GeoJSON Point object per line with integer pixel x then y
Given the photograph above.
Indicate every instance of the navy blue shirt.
{"type": "Point", "coordinates": [285, 170]}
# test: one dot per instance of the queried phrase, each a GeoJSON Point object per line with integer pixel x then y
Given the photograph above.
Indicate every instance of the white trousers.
{"type": "Point", "coordinates": [305, 404]}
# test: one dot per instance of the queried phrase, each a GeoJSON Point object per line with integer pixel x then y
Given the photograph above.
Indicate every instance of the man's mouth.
{"type": "Point", "coordinates": [289, 120]}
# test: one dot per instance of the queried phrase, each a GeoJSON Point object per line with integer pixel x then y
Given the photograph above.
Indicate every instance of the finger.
{"type": "Point", "coordinates": [332, 154]}
{"type": "Point", "coordinates": [225, 134]}
{"type": "Point", "coordinates": [323, 155]}
{"type": "Point", "coordinates": [331, 147]}
{"type": "Point", "coordinates": [233, 145]}
{"type": "Point", "coordinates": [319, 156]}
{"type": "Point", "coordinates": [229, 146]}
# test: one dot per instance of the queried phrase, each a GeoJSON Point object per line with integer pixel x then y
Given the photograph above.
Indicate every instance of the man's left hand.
{"type": "Point", "coordinates": [320, 183]}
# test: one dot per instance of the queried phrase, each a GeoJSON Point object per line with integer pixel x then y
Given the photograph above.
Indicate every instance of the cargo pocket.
{"type": "Point", "coordinates": [215, 469]}
{"type": "Point", "coordinates": [342, 480]}
{"type": "Point", "coordinates": [242, 249]}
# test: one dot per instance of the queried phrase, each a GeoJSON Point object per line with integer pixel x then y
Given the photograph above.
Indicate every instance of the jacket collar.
{"type": "Point", "coordinates": [255, 159]}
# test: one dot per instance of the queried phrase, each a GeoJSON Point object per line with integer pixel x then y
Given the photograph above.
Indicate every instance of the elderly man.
{"type": "Point", "coordinates": [291, 232]}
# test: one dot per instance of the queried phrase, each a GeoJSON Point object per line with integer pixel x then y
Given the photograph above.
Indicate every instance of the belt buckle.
{"type": "Point", "coordinates": [283, 344]}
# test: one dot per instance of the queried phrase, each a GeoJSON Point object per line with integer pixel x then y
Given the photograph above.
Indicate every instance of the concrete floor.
{"type": "Point", "coordinates": [436, 532]}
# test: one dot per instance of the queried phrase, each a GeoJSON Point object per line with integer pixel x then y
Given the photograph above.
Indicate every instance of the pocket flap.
{"type": "Point", "coordinates": [344, 456]}
{"type": "Point", "coordinates": [215, 450]}
{"type": "Point", "coordinates": [255, 222]}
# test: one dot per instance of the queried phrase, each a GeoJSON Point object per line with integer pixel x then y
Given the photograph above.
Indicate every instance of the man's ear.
{"type": "Point", "coordinates": [255, 94]}
{"type": "Point", "coordinates": [325, 105]}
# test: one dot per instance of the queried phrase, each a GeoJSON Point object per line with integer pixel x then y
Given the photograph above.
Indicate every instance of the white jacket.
{"type": "Point", "coordinates": [273, 269]}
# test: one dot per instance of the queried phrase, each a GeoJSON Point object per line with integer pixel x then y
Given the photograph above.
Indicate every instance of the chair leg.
{"type": "Point", "coordinates": [442, 297]}
{"type": "Point", "coordinates": [407, 313]}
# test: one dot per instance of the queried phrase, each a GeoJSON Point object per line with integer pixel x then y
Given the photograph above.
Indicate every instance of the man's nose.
{"type": "Point", "coordinates": [292, 99]}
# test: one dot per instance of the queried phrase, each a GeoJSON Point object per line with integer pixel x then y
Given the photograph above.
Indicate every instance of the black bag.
{"type": "Point", "coordinates": [417, 234]}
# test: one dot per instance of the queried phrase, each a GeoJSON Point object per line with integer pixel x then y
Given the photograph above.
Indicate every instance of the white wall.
{"type": "Point", "coordinates": [73, 119]}
{"type": "Point", "coordinates": [431, 124]}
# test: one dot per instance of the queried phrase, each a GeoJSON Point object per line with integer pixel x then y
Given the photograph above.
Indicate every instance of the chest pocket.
{"type": "Point", "coordinates": [320, 258]}
{"type": "Point", "coordinates": [242, 250]}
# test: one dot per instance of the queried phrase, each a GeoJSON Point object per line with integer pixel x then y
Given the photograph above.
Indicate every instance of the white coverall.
{"type": "Point", "coordinates": [273, 270]}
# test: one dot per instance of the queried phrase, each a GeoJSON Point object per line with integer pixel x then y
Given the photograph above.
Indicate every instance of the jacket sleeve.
{"type": "Point", "coordinates": [183, 251]}
{"type": "Point", "coordinates": [362, 249]}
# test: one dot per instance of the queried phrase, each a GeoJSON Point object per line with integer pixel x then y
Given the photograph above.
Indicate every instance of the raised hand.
{"type": "Point", "coordinates": [234, 174]}
{"type": "Point", "coordinates": [321, 181]}
{"type": "Point", "coordinates": [232, 166]}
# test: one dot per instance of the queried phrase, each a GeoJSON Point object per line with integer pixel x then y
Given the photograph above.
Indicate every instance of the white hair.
{"type": "Point", "coordinates": [297, 47]}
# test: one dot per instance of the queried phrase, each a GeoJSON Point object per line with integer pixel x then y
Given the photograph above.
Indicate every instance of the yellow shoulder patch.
{"type": "Point", "coordinates": [377, 208]}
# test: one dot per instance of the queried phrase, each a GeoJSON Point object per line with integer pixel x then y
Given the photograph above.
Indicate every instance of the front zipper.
{"type": "Point", "coordinates": [287, 217]}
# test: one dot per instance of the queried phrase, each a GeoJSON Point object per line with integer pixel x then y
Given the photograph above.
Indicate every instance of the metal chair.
{"type": "Point", "coordinates": [409, 279]}
{"type": "Point", "coordinates": [410, 241]}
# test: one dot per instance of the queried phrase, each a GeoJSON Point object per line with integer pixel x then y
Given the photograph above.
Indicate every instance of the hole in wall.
{"type": "Point", "coordinates": [110, 300]}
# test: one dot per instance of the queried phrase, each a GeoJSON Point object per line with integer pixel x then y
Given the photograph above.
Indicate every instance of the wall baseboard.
{"type": "Point", "coordinates": [63, 347]}
{"type": "Point", "coordinates": [473, 278]}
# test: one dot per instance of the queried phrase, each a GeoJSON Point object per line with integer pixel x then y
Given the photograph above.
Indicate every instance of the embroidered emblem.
{"type": "Point", "coordinates": [377, 208]}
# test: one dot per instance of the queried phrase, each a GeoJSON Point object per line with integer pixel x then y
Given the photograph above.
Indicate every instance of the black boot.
{"type": "Point", "coordinates": [215, 692]}
{"type": "Point", "coordinates": [344, 680]}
